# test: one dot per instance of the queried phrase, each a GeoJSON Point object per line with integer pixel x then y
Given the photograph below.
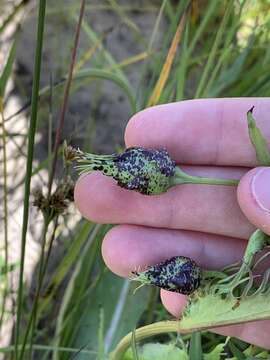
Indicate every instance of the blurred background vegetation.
{"type": "Point", "coordinates": [58, 299]}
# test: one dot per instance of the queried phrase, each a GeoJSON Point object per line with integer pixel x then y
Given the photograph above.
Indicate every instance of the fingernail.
{"type": "Point", "coordinates": [260, 188]}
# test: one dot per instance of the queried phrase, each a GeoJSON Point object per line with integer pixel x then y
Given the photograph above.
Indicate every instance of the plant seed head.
{"type": "Point", "coordinates": [179, 274]}
{"type": "Point", "coordinates": [147, 171]}
{"type": "Point", "coordinates": [69, 153]}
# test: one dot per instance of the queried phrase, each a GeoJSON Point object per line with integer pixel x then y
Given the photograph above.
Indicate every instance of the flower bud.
{"type": "Point", "coordinates": [179, 274]}
{"type": "Point", "coordinates": [147, 171]}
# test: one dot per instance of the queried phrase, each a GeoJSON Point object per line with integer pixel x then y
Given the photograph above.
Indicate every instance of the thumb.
{"type": "Point", "coordinates": [254, 197]}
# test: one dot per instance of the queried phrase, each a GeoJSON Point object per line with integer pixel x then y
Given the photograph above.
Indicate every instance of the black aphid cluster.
{"type": "Point", "coordinates": [147, 171]}
{"type": "Point", "coordinates": [178, 274]}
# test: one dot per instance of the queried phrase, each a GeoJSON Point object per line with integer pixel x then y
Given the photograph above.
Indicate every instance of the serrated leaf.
{"type": "Point", "coordinates": [258, 140]}
{"type": "Point", "coordinates": [223, 311]}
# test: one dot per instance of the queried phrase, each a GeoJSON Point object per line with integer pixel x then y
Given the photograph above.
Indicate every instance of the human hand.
{"type": "Point", "coordinates": [209, 224]}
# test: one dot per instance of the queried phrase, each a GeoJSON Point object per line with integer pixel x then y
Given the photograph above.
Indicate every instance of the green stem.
{"type": "Point", "coordinates": [30, 152]}
{"type": "Point", "coordinates": [256, 243]}
{"type": "Point", "coordinates": [42, 272]}
{"type": "Point", "coordinates": [206, 274]}
{"type": "Point", "coordinates": [181, 177]}
{"type": "Point", "coordinates": [35, 304]}
{"type": "Point", "coordinates": [5, 201]}
{"type": "Point", "coordinates": [162, 327]}
{"type": "Point", "coordinates": [64, 107]}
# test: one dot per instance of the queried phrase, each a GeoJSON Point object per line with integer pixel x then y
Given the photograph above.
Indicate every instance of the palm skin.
{"type": "Point", "coordinates": [209, 224]}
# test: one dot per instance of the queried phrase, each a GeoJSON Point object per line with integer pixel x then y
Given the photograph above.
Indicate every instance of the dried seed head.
{"type": "Point", "coordinates": [58, 201]}
{"type": "Point", "coordinates": [179, 274]}
{"type": "Point", "coordinates": [69, 153]}
{"type": "Point", "coordinates": [39, 199]}
{"type": "Point", "coordinates": [147, 171]}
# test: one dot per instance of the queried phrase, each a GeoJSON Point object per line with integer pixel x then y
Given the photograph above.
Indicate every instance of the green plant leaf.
{"type": "Point", "coordinates": [65, 265]}
{"type": "Point", "coordinates": [218, 39]}
{"type": "Point", "coordinates": [91, 287]}
{"type": "Point", "coordinates": [251, 353]}
{"type": "Point", "coordinates": [75, 295]}
{"type": "Point", "coordinates": [236, 352]}
{"type": "Point", "coordinates": [216, 353]}
{"type": "Point", "coordinates": [223, 311]}
{"type": "Point", "coordinates": [7, 69]}
{"type": "Point", "coordinates": [195, 348]}
{"type": "Point", "coordinates": [258, 140]}
{"type": "Point", "coordinates": [156, 351]}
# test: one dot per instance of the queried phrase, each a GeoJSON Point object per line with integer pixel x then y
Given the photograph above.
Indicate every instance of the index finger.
{"type": "Point", "coordinates": [203, 131]}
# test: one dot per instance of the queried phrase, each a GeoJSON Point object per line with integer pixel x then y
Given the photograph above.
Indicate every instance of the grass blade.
{"type": "Point", "coordinates": [66, 96]}
{"type": "Point", "coordinates": [101, 350]}
{"type": "Point", "coordinates": [3, 82]}
{"type": "Point", "coordinates": [165, 72]}
{"type": "Point", "coordinates": [89, 73]}
{"type": "Point", "coordinates": [7, 70]}
{"type": "Point", "coordinates": [69, 259]}
{"type": "Point", "coordinates": [210, 62]}
{"type": "Point", "coordinates": [30, 152]}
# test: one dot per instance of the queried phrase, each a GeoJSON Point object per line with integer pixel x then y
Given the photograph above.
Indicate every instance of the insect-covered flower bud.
{"type": "Point", "coordinates": [179, 274]}
{"type": "Point", "coordinates": [147, 171]}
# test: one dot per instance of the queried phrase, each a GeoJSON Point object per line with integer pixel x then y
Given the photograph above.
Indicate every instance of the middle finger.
{"type": "Point", "coordinates": [205, 208]}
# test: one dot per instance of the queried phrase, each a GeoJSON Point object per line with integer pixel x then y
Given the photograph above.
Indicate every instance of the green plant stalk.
{"type": "Point", "coordinates": [42, 270]}
{"type": "Point", "coordinates": [225, 54]}
{"type": "Point", "coordinates": [3, 305]}
{"type": "Point", "coordinates": [183, 65]}
{"type": "Point", "coordinates": [66, 263]}
{"type": "Point", "coordinates": [258, 141]}
{"type": "Point", "coordinates": [66, 97]}
{"type": "Point", "coordinates": [181, 177]}
{"type": "Point", "coordinates": [162, 327]}
{"type": "Point", "coordinates": [64, 266]}
{"type": "Point", "coordinates": [93, 37]}
{"type": "Point", "coordinates": [41, 347]}
{"type": "Point", "coordinates": [61, 323]}
{"type": "Point", "coordinates": [124, 17]}
{"type": "Point", "coordinates": [31, 320]}
{"type": "Point", "coordinates": [195, 347]}
{"type": "Point", "coordinates": [30, 152]}
{"type": "Point", "coordinates": [149, 49]}
{"type": "Point", "coordinates": [134, 347]}
{"type": "Point", "coordinates": [101, 348]}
